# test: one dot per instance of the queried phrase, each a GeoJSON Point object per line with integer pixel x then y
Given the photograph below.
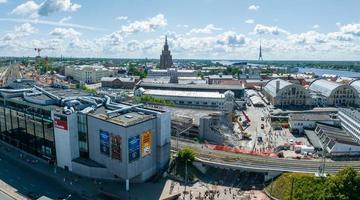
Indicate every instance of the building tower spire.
{"type": "Point", "coordinates": [165, 57]}
{"type": "Point", "coordinates": [260, 53]}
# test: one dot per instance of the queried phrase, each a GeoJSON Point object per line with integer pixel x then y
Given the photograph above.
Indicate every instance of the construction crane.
{"type": "Point", "coordinates": [38, 50]}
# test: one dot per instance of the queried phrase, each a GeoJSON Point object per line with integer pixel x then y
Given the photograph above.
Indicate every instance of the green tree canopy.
{"type": "Point", "coordinates": [186, 154]}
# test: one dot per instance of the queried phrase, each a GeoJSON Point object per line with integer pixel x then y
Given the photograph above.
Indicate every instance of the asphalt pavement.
{"type": "Point", "coordinates": [4, 196]}
{"type": "Point", "coordinates": [26, 180]}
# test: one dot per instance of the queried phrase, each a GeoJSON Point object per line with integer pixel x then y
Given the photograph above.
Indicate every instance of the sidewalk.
{"type": "Point", "coordinates": [10, 191]}
{"type": "Point", "coordinates": [84, 187]}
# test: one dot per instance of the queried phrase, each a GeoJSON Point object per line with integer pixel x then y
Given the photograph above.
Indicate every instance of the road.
{"type": "Point", "coordinates": [26, 180]}
{"type": "Point", "coordinates": [262, 163]}
{"type": "Point", "coordinates": [11, 73]}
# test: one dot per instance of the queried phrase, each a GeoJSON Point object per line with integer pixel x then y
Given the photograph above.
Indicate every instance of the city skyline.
{"type": "Point", "coordinates": [205, 29]}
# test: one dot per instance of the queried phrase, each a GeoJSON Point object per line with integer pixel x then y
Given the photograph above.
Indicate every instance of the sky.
{"type": "Point", "coordinates": [196, 29]}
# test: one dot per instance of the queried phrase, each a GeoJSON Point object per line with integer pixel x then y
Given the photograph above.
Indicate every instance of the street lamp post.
{"type": "Point", "coordinates": [186, 175]}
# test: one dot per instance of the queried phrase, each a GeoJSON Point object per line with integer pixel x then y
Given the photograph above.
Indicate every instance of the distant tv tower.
{"type": "Point", "coordinates": [260, 53]}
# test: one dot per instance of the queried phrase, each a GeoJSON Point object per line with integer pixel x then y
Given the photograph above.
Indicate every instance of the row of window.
{"type": "Point", "coordinates": [28, 131]}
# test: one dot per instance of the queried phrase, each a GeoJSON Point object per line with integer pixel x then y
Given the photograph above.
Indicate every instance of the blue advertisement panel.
{"type": "Point", "coordinates": [104, 143]}
{"type": "Point", "coordinates": [134, 148]}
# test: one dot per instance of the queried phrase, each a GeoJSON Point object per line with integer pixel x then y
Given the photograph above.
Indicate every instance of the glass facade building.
{"type": "Point", "coordinates": [27, 127]}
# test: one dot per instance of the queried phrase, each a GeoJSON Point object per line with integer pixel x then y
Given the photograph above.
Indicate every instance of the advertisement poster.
{"type": "Point", "coordinates": [134, 148]}
{"type": "Point", "coordinates": [60, 122]}
{"type": "Point", "coordinates": [115, 147]}
{"type": "Point", "coordinates": [104, 143]}
{"type": "Point", "coordinates": [146, 143]}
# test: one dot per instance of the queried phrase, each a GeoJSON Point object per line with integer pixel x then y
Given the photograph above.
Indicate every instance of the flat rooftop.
{"type": "Point", "coordinates": [123, 119]}
{"type": "Point", "coordinates": [191, 86]}
{"type": "Point", "coordinates": [310, 117]}
{"type": "Point", "coordinates": [175, 93]}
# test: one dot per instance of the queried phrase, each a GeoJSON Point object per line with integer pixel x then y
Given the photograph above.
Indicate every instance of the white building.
{"type": "Point", "coordinates": [300, 121]}
{"type": "Point", "coordinates": [172, 72]}
{"type": "Point", "coordinates": [88, 73]}
{"type": "Point", "coordinates": [336, 94]}
{"type": "Point", "coordinates": [356, 84]}
{"type": "Point", "coordinates": [350, 121]}
{"type": "Point", "coordinates": [336, 141]}
{"type": "Point", "coordinates": [192, 99]}
{"type": "Point", "coordinates": [284, 93]}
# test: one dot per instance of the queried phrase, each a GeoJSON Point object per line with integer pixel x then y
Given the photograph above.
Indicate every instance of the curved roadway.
{"type": "Point", "coordinates": [262, 163]}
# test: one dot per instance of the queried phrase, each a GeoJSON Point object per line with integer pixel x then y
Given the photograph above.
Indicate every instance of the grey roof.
{"type": "Point", "coordinates": [221, 77]}
{"type": "Point", "coordinates": [324, 86]}
{"type": "Point", "coordinates": [122, 79]}
{"type": "Point", "coordinates": [193, 86]}
{"type": "Point", "coordinates": [270, 87]}
{"type": "Point", "coordinates": [313, 138]}
{"type": "Point", "coordinates": [309, 117]}
{"type": "Point", "coordinates": [337, 134]}
{"type": "Point", "coordinates": [356, 84]}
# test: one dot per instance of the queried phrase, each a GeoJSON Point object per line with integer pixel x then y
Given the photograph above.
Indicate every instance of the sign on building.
{"type": "Point", "coordinates": [115, 147]}
{"type": "Point", "coordinates": [104, 143]}
{"type": "Point", "coordinates": [146, 143]}
{"type": "Point", "coordinates": [134, 148]}
{"type": "Point", "coordinates": [60, 122]}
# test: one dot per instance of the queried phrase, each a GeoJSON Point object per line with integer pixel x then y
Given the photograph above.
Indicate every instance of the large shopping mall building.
{"type": "Point", "coordinates": [88, 135]}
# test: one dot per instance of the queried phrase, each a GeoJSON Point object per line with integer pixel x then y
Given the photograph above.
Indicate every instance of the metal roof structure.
{"type": "Point", "coordinates": [270, 87]}
{"type": "Point", "coordinates": [356, 84]}
{"type": "Point", "coordinates": [336, 134]}
{"type": "Point", "coordinates": [190, 86]}
{"type": "Point", "coordinates": [324, 86]}
{"type": "Point", "coordinates": [173, 93]}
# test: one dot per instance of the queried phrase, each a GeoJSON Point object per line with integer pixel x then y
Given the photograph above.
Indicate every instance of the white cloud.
{"type": "Point", "coordinates": [45, 8]}
{"type": "Point", "coordinates": [65, 19]}
{"type": "Point", "coordinates": [3, 1]}
{"type": "Point", "coordinates": [19, 32]}
{"type": "Point", "coordinates": [182, 26]}
{"type": "Point", "coordinates": [65, 33]}
{"type": "Point", "coordinates": [27, 8]}
{"type": "Point", "coordinates": [210, 28]}
{"type": "Point", "coordinates": [274, 30]}
{"type": "Point", "coordinates": [51, 23]}
{"type": "Point", "coordinates": [122, 18]}
{"type": "Point", "coordinates": [51, 6]}
{"type": "Point", "coordinates": [316, 26]}
{"type": "Point", "coordinates": [249, 21]}
{"type": "Point", "coordinates": [310, 37]}
{"type": "Point", "coordinates": [340, 36]}
{"type": "Point", "coordinates": [231, 39]}
{"type": "Point", "coordinates": [148, 25]}
{"type": "Point", "coordinates": [353, 29]}
{"type": "Point", "coordinates": [254, 7]}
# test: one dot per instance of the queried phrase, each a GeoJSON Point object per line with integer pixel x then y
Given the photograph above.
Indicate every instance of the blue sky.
{"type": "Point", "coordinates": [210, 29]}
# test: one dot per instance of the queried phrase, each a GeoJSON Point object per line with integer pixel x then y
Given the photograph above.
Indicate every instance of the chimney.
{"type": "Point", "coordinates": [277, 86]}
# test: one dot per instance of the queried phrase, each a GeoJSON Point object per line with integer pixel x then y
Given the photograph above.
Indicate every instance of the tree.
{"type": "Point", "coordinates": [344, 185]}
{"type": "Point", "coordinates": [186, 154]}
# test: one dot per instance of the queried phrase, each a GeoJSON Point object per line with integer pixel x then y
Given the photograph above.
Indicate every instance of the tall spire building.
{"type": "Point", "coordinates": [260, 53]}
{"type": "Point", "coordinates": [165, 57]}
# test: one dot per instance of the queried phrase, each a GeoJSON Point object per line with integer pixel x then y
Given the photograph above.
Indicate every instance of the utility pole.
{"type": "Point", "coordinates": [178, 134]}
{"type": "Point", "coordinates": [186, 175]}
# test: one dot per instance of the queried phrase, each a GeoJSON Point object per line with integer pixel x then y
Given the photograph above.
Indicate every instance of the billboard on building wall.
{"type": "Point", "coordinates": [146, 143]}
{"type": "Point", "coordinates": [104, 143]}
{"type": "Point", "coordinates": [134, 148]}
{"type": "Point", "coordinates": [60, 122]}
{"type": "Point", "coordinates": [115, 147]}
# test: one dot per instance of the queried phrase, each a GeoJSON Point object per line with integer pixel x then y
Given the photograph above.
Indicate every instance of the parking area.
{"type": "Point", "coordinates": [270, 136]}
